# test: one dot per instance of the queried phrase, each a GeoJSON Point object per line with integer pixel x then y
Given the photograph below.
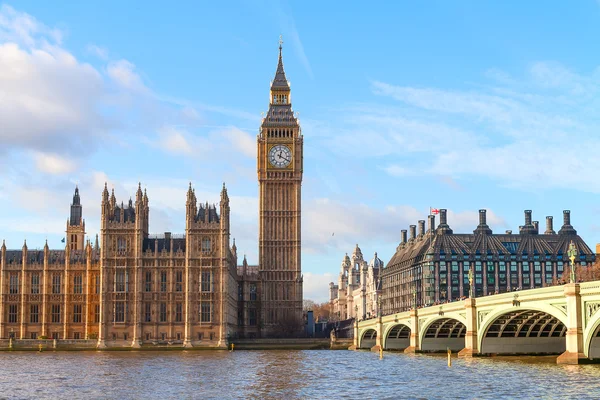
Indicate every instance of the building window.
{"type": "Point", "coordinates": [252, 292]}
{"type": "Point", "coordinates": [34, 335]}
{"type": "Point", "coordinates": [178, 281]}
{"type": "Point", "coordinates": [240, 292]}
{"type": "Point", "coordinates": [76, 313]}
{"type": "Point", "coordinates": [206, 245]}
{"type": "Point", "coordinates": [13, 313]}
{"type": "Point", "coordinates": [121, 281]}
{"type": "Point", "coordinates": [163, 281]}
{"type": "Point", "coordinates": [14, 284]}
{"type": "Point", "coordinates": [206, 277]}
{"type": "Point", "coordinates": [56, 284]}
{"type": "Point", "coordinates": [76, 335]}
{"type": "Point", "coordinates": [55, 335]}
{"type": "Point", "coordinates": [77, 284]}
{"type": "Point", "coordinates": [97, 284]}
{"type": "Point", "coordinates": [120, 311]}
{"type": "Point", "coordinates": [251, 317]}
{"type": "Point", "coordinates": [34, 315]}
{"type": "Point", "coordinates": [148, 287]}
{"type": "Point", "coordinates": [163, 312]}
{"type": "Point", "coordinates": [148, 313]}
{"type": "Point", "coordinates": [35, 284]}
{"type": "Point", "coordinates": [121, 244]}
{"type": "Point", "coordinates": [205, 312]}
{"type": "Point", "coordinates": [55, 313]}
{"type": "Point", "coordinates": [178, 312]}
{"type": "Point", "coordinates": [97, 313]}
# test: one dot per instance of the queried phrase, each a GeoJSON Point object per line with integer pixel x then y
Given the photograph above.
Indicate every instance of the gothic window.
{"type": "Point", "coordinates": [163, 312]}
{"type": "Point", "coordinates": [252, 292]}
{"type": "Point", "coordinates": [178, 312]}
{"type": "Point", "coordinates": [120, 281]}
{"type": "Point", "coordinates": [148, 313]}
{"type": "Point", "coordinates": [120, 311]}
{"type": "Point", "coordinates": [121, 244]}
{"type": "Point", "coordinates": [148, 287]}
{"type": "Point", "coordinates": [179, 281]}
{"type": "Point", "coordinates": [163, 281]}
{"type": "Point", "coordinates": [240, 292]}
{"type": "Point", "coordinates": [13, 313]}
{"type": "Point", "coordinates": [252, 316]}
{"type": "Point", "coordinates": [34, 315]}
{"type": "Point", "coordinates": [76, 313]}
{"type": "Point", "coordinates": [35, 284]}
{"type": "Point", "coordinates": [97, 284]}
{"type": "Point", "coordinates": [284, 99]}
{"type": "Point", "coordinates": [56, 284]}
{"type": "Point", "coordinates": [55, 313]}
{"type": "Point", "coordinates": [97, 313]}
{"type": "Point", "coordinates": [77, 284]}
{"type": "Point", "coordinates": [14, 284]}
{"type": "Point", "coordinates": [206, 245]}
{"type": "Point", "coordinates": [205, 311]}
{"type": "Point", "coordinates": [206, 281]}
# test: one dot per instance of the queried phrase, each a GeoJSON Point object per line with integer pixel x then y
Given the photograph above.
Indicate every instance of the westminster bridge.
{"type": "Point", "coordinates": [561, 320]}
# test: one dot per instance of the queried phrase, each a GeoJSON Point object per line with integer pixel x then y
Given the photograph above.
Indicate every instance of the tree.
{"type": "Point", "coordinates": [322, 310]}
{"type": "Point", "coordinates": [308, 305]}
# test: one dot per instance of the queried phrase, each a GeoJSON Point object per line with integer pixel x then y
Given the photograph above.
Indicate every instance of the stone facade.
{"type": "Point", "coordinates": [358, 289]}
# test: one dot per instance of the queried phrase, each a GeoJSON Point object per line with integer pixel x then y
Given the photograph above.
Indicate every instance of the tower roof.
{"type": "Point", "coordinates": [280, 81]}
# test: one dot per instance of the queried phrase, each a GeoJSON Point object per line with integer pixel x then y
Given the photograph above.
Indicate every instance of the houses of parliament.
{"type": "Point", "coordinates": [131, 288]}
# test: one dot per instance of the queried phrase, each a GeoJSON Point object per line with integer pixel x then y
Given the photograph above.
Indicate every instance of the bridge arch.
{"type": "Point", "coordinates": [397, 337]}
{"type": "Point", "coordinates": [591, 337]}
{"type": "Point", "coordinates": [523, 330]}
{"type": "Point", "coordinates": [441, 333]}
{"type": "Point", "coordinates": [368, 339]}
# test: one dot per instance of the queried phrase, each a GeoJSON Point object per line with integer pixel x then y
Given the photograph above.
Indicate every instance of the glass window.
{"type": "Point", "coordinates": [120, 281]}
{"type": "Point", "coordinates": [97, 313]}
{"type": "Point", "coordinates": [35, 284]}
{"type": "Point", "coordinates": [148, 312]}
{"type": "Point", "coordinates": [13, 313]}
{"type": "Point", "coordinates": [251, 316]}
{"type": "Point", "coordinates": [206, 278]}
{"type": "Point", "coordinates": [178, 312]}
{"type": "Point", "coordinates": [56, 284]}
{"type": "Point", "coordinates": [120, 311]}
{"type": "Point", "coordinates": [148, 287]}
{"type": "Point", "coordinates": [76, 313]}
{"type": "Point", "coordinates": [205, 311]}
{"type": "Point", "coordinates": [179, 281]}
{"type": "Point", "coordinates": [163, 312]}
{"type": "Point", "coordinates": [34, 315]}
{"type": "Point", "coordinates": [97, 284]}
{"type": "Point", "coordinates": [77, 284]}
{"type": "Point", "coordinates": [206, 245]}
{"type": "Point", "coordinates": [55, 313]}
{"type": "Point", "coordinates": [252, 292]}
{"type": "Point", "coordinates": [163, 281]}
{"type": "Point", "coordinates": [14, 284]}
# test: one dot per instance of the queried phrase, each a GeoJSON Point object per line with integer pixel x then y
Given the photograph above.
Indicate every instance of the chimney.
{"type": "Point", "coordinates": [483, 228]}
{"type": "Point", "coordinates": [443, 227]}
{"type": "Point", "coordinates": [421, 228]}
{"type": "Point", "coordinates": [431, 223]}
{"type": "Point", "coordinates": [509, 232]}
{"type": "Point", "coordinates": [536, 225]}
{"type": "Point", "coordinates": [567, 228]}
{"type": "Point", "coordinates": [527, 217]}
{"type": "Point", "coordinates": [403, 236]}
{"type": "Point", "coordinates": [413, 232]}
{"type": "Point", "coordinates": [167, 236]}
{"type": "Point", "coordinates": [549, 226]}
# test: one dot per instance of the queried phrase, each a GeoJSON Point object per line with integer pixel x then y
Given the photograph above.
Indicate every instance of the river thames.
{"type": "Point", "coordinates": [287, 375]}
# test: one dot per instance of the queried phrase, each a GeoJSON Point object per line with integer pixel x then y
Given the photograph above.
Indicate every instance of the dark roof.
{"type": "Point", "coordinates": [163, 244]}
{"type": "Point", "coordinates": [280, 81]}
{"type": "Point", "coordinates": [55, 256]}
{"type": "Point", "coordinates": [280, 115]}
{"type": "Point", "coordinates": [211, 210]}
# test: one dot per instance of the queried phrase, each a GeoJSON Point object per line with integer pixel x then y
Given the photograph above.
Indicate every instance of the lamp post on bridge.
{"type": "Point", "coordinates": [572, 253]}
{"type": "Point", "coordinates": [471, 289]}
{"type": "Point", "coordinates": [356, 312]}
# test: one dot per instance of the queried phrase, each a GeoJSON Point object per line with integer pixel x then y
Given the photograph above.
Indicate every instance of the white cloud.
{"type": "Point", "coordinates": [53, 164]}
{"type": "Point", "coordinates": [173, 140]}
{"type": "Point", "coordinates": [100, 52]}
{"type": "Point", "coordinates": [240, 140]}
{"type": "Point", "coordinates": [316, 286]}
{"type": "Point", "coordinates": [124, 74]}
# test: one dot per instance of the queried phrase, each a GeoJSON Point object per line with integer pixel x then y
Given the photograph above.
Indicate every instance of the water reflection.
{"type": "Point", "coordinates": [288, 375]}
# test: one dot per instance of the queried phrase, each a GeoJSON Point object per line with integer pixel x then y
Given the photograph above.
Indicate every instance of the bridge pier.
{"type": "Point", "coordinates": [379, 338]}
{"type": "Point", "coordinates": [574, 353]}
{"type": "Point", "coordinates": [355, 339]}
{"type": "Point", "coordinates": [415, 346]}
{"type": "Point", "coordinates": [471, 345]}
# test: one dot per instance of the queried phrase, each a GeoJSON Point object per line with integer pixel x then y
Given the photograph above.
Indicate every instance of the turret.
{"type": "Point", "coordinates": [443, 228]}
{"type": "Point", "coordinates": [528, 228]}
{"type": "Point", "coordinates": [567, 228]}
{"type": "Point", "coordinates": [482, 228]}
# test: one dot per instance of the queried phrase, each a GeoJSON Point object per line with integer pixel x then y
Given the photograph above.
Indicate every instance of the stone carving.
{"type": "Point", "coordinates": [561, 307]}
{"type": "Point", "coordinates": [591, 308]}
{"type": "Point", "coordinates": [482, 315]}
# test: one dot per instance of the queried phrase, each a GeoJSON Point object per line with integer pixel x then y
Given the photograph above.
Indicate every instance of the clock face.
{"type": "Point", "coordinates": [280, 156]}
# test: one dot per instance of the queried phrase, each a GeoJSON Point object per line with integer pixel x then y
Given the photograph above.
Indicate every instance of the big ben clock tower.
{"type": "Point", "coordinates": [280, 179]}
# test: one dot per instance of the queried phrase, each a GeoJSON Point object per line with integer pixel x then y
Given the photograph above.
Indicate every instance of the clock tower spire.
{"type": "Point", "coordinates": [279, 167]}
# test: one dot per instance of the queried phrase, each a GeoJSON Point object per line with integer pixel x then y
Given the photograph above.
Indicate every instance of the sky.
{"type": "Point", "coordinates": [462, 105]}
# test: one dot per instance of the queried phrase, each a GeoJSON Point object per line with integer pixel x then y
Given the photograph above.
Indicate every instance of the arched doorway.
{"type": "Point", "coordinates": [524, 332]}
{"type": "Point", "coordinates": [398, 338]}
{"type": "Point", "coordinates": [369, 339]}
{"type": "Point", "coordinates": [444, 333]}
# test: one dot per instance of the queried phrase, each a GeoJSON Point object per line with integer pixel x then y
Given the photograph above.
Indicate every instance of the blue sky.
{"type": "Point", "coordinates": [460, 105]}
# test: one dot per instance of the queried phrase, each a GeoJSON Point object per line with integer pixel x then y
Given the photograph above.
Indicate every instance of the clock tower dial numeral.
{"type": "Point", "coordinates": [280, 156]}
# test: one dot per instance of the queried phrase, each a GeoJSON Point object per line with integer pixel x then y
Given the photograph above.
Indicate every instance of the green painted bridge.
{"type": "Point", "coordinates": [561, 320]}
